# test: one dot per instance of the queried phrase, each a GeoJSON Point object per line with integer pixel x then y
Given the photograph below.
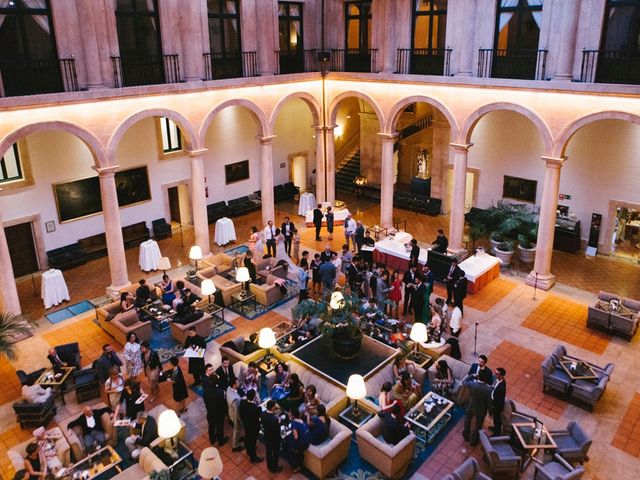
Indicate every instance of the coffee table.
{"type": "Point", "coordinates": [429, 416]}
{"type": "Point", "coordinates": [529, 443]}
{"type": "Point", "coordinates": [578, 370]}
{"type": "Point", "coordinates": [242, 297]}
{"type": "Point", "coordinates": [102, 461]}
{"type": "Point", "coordinates": [55, 380]}
{"type": "Point", "coordinates": [355, 421]}
{"type": "Point", "coordinates": [159, 314]}
{"type": "Point", "coordinates": [180, 467]}
{"type": "Point", "coordinates": [212, 309]}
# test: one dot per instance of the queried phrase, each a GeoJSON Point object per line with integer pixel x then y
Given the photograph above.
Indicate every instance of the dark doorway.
{"type": "Point", "coordinates": [174, 204]}
{"type": "Point", "coordinates": [22, 249]}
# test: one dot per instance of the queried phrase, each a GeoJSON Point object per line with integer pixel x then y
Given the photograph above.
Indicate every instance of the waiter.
{"type": "Point", "coordinates": [196, 365]}
{"type": "Point", "coordinates": [270, 237]}
{"type": "Point", "coordinates": [288, 229]}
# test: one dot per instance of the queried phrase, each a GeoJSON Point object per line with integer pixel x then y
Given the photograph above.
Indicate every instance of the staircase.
{"type": "Point", "coordinates": [347, 173]}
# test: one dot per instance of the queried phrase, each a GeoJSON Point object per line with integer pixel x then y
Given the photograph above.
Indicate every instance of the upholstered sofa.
{"type": "Point", "coordinates": [385, 374]}
{"type": "Point", "coordinates": [459, 371]}
{"type": "Point", "coordinates": [18, 452]}
{"type": "Point", "coordinates": [615, 322]}
{"type": "Point", "coordinates": [120, 324]}
{"type": "Point", "coordinates": [74, 434]}
{"type": "Point", "coordinates": [267, 293]}
{"type": "Point", "coordinates": [140, 470]}
{"type": "Point", "coordinates": [391, 460]}
{"type": "Point", "coordinates": [273, 269]}
{"type": "Point", "coordinates": [203, 328]}
{"type": "Point", "coordinates": [241, 351]}
{"type": "Point", "coordinates": [34, 414]}
{"type": "Point", "coordinates": [323, 459]}
{"type": "Point", "coordinates": [226, 287]}
{"type": "Point", "coordinates": [221, 261]}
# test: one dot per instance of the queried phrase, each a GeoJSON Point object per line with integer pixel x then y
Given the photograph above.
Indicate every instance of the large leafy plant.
{"type": "Point", "coordinates": [11, 327]}
{"type": "Point", "coordinates": [336, 318]}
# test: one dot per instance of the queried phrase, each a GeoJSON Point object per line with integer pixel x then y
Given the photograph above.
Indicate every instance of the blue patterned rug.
{"type": "Point", "coordinates": [252, 311]}
{"type": "Point", "coordinates": [69, 312]}
{"type": "Point", "coordinates": [240, 249]}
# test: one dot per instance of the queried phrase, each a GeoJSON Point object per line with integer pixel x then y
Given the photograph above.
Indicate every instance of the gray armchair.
{"type": "Point", "coordinates": [553, 378]}
{"type": "Point", "coordinates": [557, 469]}
{"type": "Point", "coordinates": [573, 443]}
{"type": "Point", "coordinates": [588, 392]}
{"type": "Point", "coordinates": [560, 352]}
{"type": "Point", "coordinates": [499, 455]}
{"type": "Point", "coordinates": [468, 470]}
{"type": "Point", "coordinates": [510, 415]}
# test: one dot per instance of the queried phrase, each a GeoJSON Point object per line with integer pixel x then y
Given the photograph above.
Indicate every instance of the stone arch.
{"type": "Point", "coordinates": [95, 147]}
{"type": "Point", "coordinates": [187, 129]}
{"type": "Point", "coordinates": [394, 113]}
{"type": "Point", "coordinates": [257, 113]}
{"type": "Point", "coordinates": [333, 106]}
{"type": "Point", "coordinates": [472, 120]}
{"type": "Point", "coordinates": [561, 143]}
{"type": "Point", "coordinates": [307, 98]}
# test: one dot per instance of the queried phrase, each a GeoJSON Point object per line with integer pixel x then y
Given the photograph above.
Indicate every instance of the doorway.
{"type": "Point", "coordinates": [470, 191]}
{"type": "Point", "coordinates": [180, 205]}
{"type": "Point", "coordinates": [22, 249]}
{"type": "Point", "coordinates": [174, 204]}
{"type": "Point", "coordinates": [298, 170]}
{"type": "Point", "coordinates": [625, 240]}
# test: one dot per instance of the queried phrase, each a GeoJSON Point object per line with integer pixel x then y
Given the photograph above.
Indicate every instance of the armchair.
{"type": "Point", "coordinates": [34, 414]}
{"type": "Point", "coordinates": [63, 450]}
{"type": "Point", "coordinates": [588, 392]}
{"type": "Point", "coordinates": [268, 293]}
{"type": "Point", "coordinates": [499, 455]}
{"type": "Point", "coordinates": [24, 377]}
{"type": "Point", "coordinates": [573, 443]}
{"type": "Point", "coordinates": [161, 229]}
{"type": "Point", "coordinates": [87, 385]}
{"type": "Point", "coordinates": [323, 459]}
{"type": "Point", "coordinates": [69, 353]}
{"type": "Point", "coordinates": [391, 460]}
{"type": "Point", "coordinates": [553, 378]}
{"type": "Point", "coordinates": [510, 415]}
{"type": "Point", "coordinates": [557, 469]}
{"type": "Point", "coordinates": [468, 470]}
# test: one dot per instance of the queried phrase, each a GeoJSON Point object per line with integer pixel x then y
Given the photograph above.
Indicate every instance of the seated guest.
{"type": "Point", "coordinates": [311, 401]}
{"type": "Point", "coordinates": [56, 361]}
{"type": "Point", "coordinates": [148, 432]}
{"type": "Point", "coordinates": [91, 426]}
{"type": "Point", "coordinates": [129, 397]}
{"type": "Point", "coordinates": [168, 295]}
{"type": "Point", "coordinates": [33, 464]}
{"type": "Point", "coordinates": [296, 394]}
{"type": "Point", "coordinates": [143, 294]}
{"type": "Point", "coordinates": [179, 291]}
{"type": "Point", "coordinates": [282, 374]}
{"type": "Point", "coordinates": [434, 327]}
{"type": "Point", "coordinates": [126, 301]}
{"type": "Point", "coordinates": [250, 379]}
{"type": "Point", "coordinates": [297, 442]}
{"type": "Point", "coordinates": [186, 301]}
{"type": "Point", "coordinates": [113, 387]}
{"type": "Point", "coordinates": [444, 379]}
{"type": "Point", "coordinates": [393, 430]}
{"type": "Point", "coordinates": [34, 393]}
{"type": "Point", "coordinates": [46, 442]}
{"type": "Point", "coordinates": [386, 400]}
{"type": "Point", "coordinates": [319, 425]}
{"type": "Point", "coordinates": [403, 392]}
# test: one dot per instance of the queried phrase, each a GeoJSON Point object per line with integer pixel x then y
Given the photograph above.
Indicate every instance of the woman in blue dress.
{"type": "Point", "coordinates": [297, 441]}
{"type": "Point", "coordinates": [168, 295]}
{"type": "Point", "coordinates": [319, 426]}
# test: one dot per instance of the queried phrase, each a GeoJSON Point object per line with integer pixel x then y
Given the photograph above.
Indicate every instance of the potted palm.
{"type": "Point", "coordinates": [12, 326]}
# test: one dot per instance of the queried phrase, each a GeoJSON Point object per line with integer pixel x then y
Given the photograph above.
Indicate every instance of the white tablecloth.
{"type": "Point", "coordinates": [225, 231]}
{"type": "Point", "coordinates": [477, 265]}
{"type": "Point", "coordinates": [397, 249]}
{"type": "Point", "coordinates": [54, 289]}
{"type": "Point", "coordinates": [149, 255]}
{"type": "Point", "coordinates": [338, 216]}
{"type": "Point", "coordinates": [307, 202]}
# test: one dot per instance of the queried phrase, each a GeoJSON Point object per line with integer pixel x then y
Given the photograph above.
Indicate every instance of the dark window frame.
{"type": "Point", "coordinates": [362, 20]}
{"type": "Point", "coordinates": [220, 17]}
{"type": "Point", "coordinates": [3, 167]}
{"type": "Point", "coordinates": [289, 19]}
{"type": "Point", "coordinates": [165, 126]}
{"type": "Point", "coordinates": [521, 7]}
{"type": "Point", "coordinates": [20, 11]}
{"type": "Point", "coordinates": [607, 10]}
{"type": "Point", "coordinates": [138, 17]}
{"type": "Point", "coordinates": [432, 17]}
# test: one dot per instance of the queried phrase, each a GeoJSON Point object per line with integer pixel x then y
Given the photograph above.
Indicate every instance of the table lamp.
{"type": "Point", "coordinates": [210, 464]}
{"type": "Point", "coordinates": [164, 264]}
{"type": "Point", "coordinates": [208, 288]}
{"type": "Point", "coordinates": [242, 276]}
{"type": "Point", "coordinates": [195, 254]}
{"type": "Point", "coordinates": [418, 334]}
{"type": "Point", "coordinates": [169, 427]}
{"type": "Point", "coordinates": [356, 390]}
{"type": "Point", "coordinates": [266, 339]}
{"type": "Point", "coordinates": [337, 301]}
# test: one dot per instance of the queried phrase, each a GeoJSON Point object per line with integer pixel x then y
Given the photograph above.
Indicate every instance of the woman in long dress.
{"type": "Point", "coordinates": [281, 252]}
{"type": "Point", "coordinates": [133, 356]}
{"type": "Point", "coordinates": [255, 244]}
{"type": "Point", "coordinates": [426, 307]}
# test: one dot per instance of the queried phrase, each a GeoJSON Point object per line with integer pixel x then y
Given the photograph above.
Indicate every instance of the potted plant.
{"type": "Point", "coordinates": [526, 244]}
{"type": "Point", "coordinates": [12, 326]}
{"type": "Point", "coordinates": [504, 251]}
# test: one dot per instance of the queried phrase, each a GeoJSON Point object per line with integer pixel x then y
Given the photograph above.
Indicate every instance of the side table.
{"type": "Point", "coordinates": [242, 298]}
{"type": "Point", "coordinates": [353, 421]}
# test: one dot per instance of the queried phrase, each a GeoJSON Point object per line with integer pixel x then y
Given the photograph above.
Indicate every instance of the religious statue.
{"type": "Point", "coordinates": [423, 163]}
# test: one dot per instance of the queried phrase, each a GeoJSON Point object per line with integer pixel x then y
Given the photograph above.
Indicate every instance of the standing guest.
{"type": "Point", "coordinates": [327, 277]}
{"type": "Point", "coordinates": [460, 291]}
{"type": "Point", "coordinates": [479, 393]}
{"type": "Point", "coordinates": [179, 386]}
{"type": "Point", "coordinates": [480, 370]}
{"type": "Point", "coordinates": [272, 439]}
{"type": "Point", "coordinates": [296, 244]}
{"type": "Point", "coordinates": [270, 238]}
{"type": "Point", "coordinates": [225, 373]}
{"type": "Point", "coordinates": [113, 387]}
{"type": "Point", "coordinates": [298, 441]}
{"type": "Point", "coordinates": [312, 180]}
{"type": "Point", "coordinates": [441, 243]}
{"type": "Point", "coordinates": [395, 295]}
{"type": "Point", "coordinates": [368, 241]}
{"type": "Point", "coordinates": [382, 291]}
{"type": "Point", "coordinates": [250, 265]}
{"type": "Point", "coordinates": [233, 402]}
{"type": "Point", "coordinates": [393, 430]}
{"type": "Point", "coordinates": [250, 378]}
{"type": "Point", "coordinates": [337, 262]}
{"type": "Point", "coordinates": [329, 217]}
{"type": "Point", "coordinates": [250, 415]}
{"type": "Point", "coordinates": [288, 230]}
{"type": "Point", "coordinates": [327, 254]}
{"type": "Point", "coordinates": [350, 231]}
{"type": "Point", "coordinates": [319, 426]}
{"type": "Point", "coordinates": [408, 279]}
{"type": "Point", "coordinates": [255, 244]}
{"type": "Point", "coordinates": [168, 295]}
{"type": "Point", "coordinates": [56, 361]}
{"type": "Point", "coordinates": [130, 398]}
{"type": "Point", "coordinates": [419, 295]}
{"type": "Point", "coordinates": [434, 325]}
{"type": "Point", "coordinates": [196, 365]}
{"type": "Point", "coordinates": [315, 274]}
{"type": "Point", "coordinates": [428, 277]}
{"type": "Point", "coordinates": [452, 278]}
{"type": "Point", "coordinates": [90, 423]}
{"type": "Point", "coordinates": [105, 361]}
{"type": "Point", "coordinates": [132, 356]}
{"type": "Point", "coordinates": [216, 406]}
{"type": "Point", "coordinates": [152, 368]}
{"type": "Point", "coordinates": [455, 321]}
{"type": "Point", "coordinates": [34, 393]}
{"type": "Point", "coordinates": [358, 236]}
{"type": "Point", "coordinates": [414, 255]}
{"type": "Point", "coordinates": [304, 261]}
{"type": "Point", "coordinates": [303, 284]}
{"type": "Point", "coordinates": [317, 220]}
{"type": "Point", "coordinates": [498, 394]}
{"type": "Point", "coordinates": [148, 433]}
{"type": "Point", "coordinates": [346, 259]}
{"type": "Point", "coordinates": [143, 294]}
{"type": "Point", "coordinates": [33, 463]}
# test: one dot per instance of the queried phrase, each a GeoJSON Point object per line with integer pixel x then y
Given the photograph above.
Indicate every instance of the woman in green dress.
{"type": "Point", "coordinates": [426, 307]}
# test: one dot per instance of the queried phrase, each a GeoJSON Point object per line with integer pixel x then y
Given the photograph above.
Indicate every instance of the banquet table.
{"type": "Point", "coordinates": [395, 254]}
{"type": "Point", "coordinates": [480, 269]}
{"type": "Point", "coordinates": [54, 288]}
{"type": "Point", "coordinates": [307, 202]}
{"type": "Point", "coordinates": [338, 217]}
{"type": "Point", "coordinates": [225, 231]}
{"type": "Point", "coordinates": [149, 255]}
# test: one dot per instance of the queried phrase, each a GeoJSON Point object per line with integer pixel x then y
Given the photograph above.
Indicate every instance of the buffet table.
{"type": "Point", "coordinates": [225, 231]}
{"type": "Point", "coordinates": [338, 217]}
{"type": "Point", "coordinates": [54, 288]}
{"type": "Point", "coordinates": [480, 269]}
{"type": "Point", "coordinates": [307, 202]}
{"type": "Point", "coordinates": [395, 255]}
{"type": "Point", "coordinates": [149, 255]}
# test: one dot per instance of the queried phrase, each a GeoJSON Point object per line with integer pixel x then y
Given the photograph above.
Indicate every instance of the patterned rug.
{"type": "Point", "coordinates": [69, 312]}
{"type": "Point", "coordinates": [252, 311]}
{"type": "Point", "coordinates": [240, 249]}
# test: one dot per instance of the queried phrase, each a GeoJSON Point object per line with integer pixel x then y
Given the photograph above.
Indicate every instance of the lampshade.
{"type": "Point", "coordinates": [210, 465]}
{"type": "Point", "coordinates": [242, 275]}
{"type": "Point", "coordinates": [337, 300]}
{"type": "Point", "coordinates": [356, 389]}
{"type": "Point", "coordinates": [266, 338]}
{"type": "Point", "coordinates": [164, 263]}
{"type": "Point", "coordinates": [195, 253]}
{"type": "Point", "coordinates": [168, 424]}
{"type": "Point", "coordinates": [418, 332]}
{"type": "Point", "coordinates": [207, 287]}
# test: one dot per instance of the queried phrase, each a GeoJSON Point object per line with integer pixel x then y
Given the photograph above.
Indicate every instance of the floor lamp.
{"type": "Point", "coordinates": [266, 339]}
{"type": "Point", "coordinates": [195, 254]}
{"type": "Point", "coordinates": [356, 390]}
{"type": "Point", "coordinates": [207, 288]}
{"type": "Point", "coordinates": [210, 465]}
{"type": "Point", "coordinates": [418, 334]}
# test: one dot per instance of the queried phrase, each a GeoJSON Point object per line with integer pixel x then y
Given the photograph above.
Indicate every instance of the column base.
{"type": "Point", "coordinates": [563, 78]}
{"type": "Point", "coordinates": [543, 282]}
{"type": "Point", "coordinates": [463, 74]}
{"type": "Point", "coordinates": [113, 291]}
{"type": "Point", "coordinates": [96, 86]}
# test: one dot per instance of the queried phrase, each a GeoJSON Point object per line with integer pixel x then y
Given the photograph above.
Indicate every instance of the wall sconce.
{"type": "Point", "coordinates": [338, 131]}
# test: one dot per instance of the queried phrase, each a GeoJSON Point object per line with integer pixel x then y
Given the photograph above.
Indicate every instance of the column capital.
{"type": "Point", "coordinates": [266, 139]}
{"type": "Point", "coordinates": [554, 162]}
{"type": "Point", "coordinates": [106, 171]}
{"type": "Point", "coordinates": [462, 147]}
{"type": "Point", "coordinates": [198, 152]}
{"type": "Point", "coordinates": [388, 137]}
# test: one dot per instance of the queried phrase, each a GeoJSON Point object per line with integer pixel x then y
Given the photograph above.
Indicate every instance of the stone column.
{"type": "Point", "coordinates": [541, 273]}
{"type": "Point", "coordinates": [90, 44]}
{"type": "Point", "coordinates": [331, 165]}
{"type": "Point", "coordinates": [191, 42]}
{"type": "Point", "coordinates": [467, 46]}
{"type": "Point", "coordinates": [8, 290]}
{"type": "Point", "coordinates": [565, 45]}
{"type": "Point", "coordinates": [387, 179]}
{"type": "Point", "coordinates": [320, 154]}
{"type": "Point", "coordinates": [113, 230]}
{"type": "Point", "coordinates": [388, 38]}
{"type": "Point", "coordinates": [266, 178]}
{"type": "Point", "coordinates": [456, 218]}
{"type": "Point", "coordinates": [199, 201]}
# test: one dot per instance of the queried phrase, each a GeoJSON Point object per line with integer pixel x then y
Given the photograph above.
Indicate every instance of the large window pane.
{"type": "Point", "coordinates": [622, 28]}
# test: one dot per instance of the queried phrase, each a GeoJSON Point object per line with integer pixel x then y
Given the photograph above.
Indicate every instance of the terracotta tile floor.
{"type": "Point", "coordinates": [485, 299]}
{"type": "Point", "coordinates": [567, 321]}
{"type": "Point", "coordinates": [10, 385]}
{"type": "Point", "coordinates": [626, 437]}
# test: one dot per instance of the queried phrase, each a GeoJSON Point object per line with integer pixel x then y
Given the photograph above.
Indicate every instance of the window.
{"type": "Point", "coordinates": [10, 167]}
{"type": "Point", "coordinates": [358, 28]}
{"type": "Point", "coordinates": [290, 27]}
{"type": "Point", "coordinates": [518, 24]}
{"type": "Point", "coordinates": [138, 28]}
{"type": "Point", "coordinates": [170, 136]}
{"type": "Point", "coordinates": [621, 31]}
{"type": "Point", "coordinates": [429, 24]}
{"type": "Point", "coordinates": [224, 26]}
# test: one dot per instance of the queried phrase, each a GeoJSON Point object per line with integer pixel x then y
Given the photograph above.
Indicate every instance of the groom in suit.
{"type": "Point", "coordinates": [288, 229]}
{"type": "Point", "coordinates": [317, 220]}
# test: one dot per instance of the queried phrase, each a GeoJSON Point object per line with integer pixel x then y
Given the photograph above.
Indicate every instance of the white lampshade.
{"type": "Point", "coordinates": [418, 332]}
{"type": "Point", "coordinates": [164, 263]}
{"type": "Point", "coordinates": [337, 300]}
{"type": "Point", "coordinates": [210, 464]}
{"type": "Point", "coordinates": [195, 253]}
{"type": "Point", "coordinates": [356, 389]}
{"type": "Point", "coordinates": [168, 424]}
{"type": "Point", "coordinates": [266, 338]}
{"type": "Point", "coordinates": [242, 275]}
{"type": "Point", "coordinates": [207, 287]}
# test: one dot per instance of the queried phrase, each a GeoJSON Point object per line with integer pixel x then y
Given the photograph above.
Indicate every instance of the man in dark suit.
{"type": "Point", "coordinates": [271, 428]}
{"type": "Point", "coordinates": [188, 299]}
{"type": "Point", "coordinates": [196, 365]}
{"type": "Point", "coordinates": [225, 374]}
{"type": "Point", "coordinates": [460, 291]}
{"type": "Point", "coordinates": [481, 371]}
{"type": "Point", "coordinates": [498, 395]}
{"type": "Point", "coordinates": [415, 252]}
{"type": "Point", "coordinates": [393, 430]}
{"type": "Point", "coordinates": [419, 292]}
{"type": "Point", "coordinates": [216, 406]}
{"type": "Point", "coordinates": [143, 293]}
{"type": "Point", "coordinates": [250, 415]}
{"type": "Point", "coordinates": [90, 423]}
{"type": "Point", "coordinates": [105, 361]}
{"type": "Point", "coordinates": [317, 220]}
{"type": "Point", "coordinates": [55, 360]}
{"type": "Point", "coordinates": [479, 393]}
{"type": "Point", "coordinates": [408, 279]}
{"type": "Point", "coordinates": [148, 433]}
{"type": "Point", "coordinates": [441, 243]}
{"type": "Point", "coordinates": [288, 229]}
{"type": "Point", "coordinates": [327, 253]}
{"type": "Point", "coordinates": [454, 274]}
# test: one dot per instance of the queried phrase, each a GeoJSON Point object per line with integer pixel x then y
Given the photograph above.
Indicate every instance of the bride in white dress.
{"type": "Point", "coordinates": [281, 252]}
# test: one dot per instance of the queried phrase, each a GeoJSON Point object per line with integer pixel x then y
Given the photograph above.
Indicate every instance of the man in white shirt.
{"type": "Point", "coordinates": [270, 237]}
{"type": "Point", "coordinates": [233, 402]}
{"type": "Point", "coordinates": [350, 231]}
{"type": "Point", "coordinates": [455, 321]}
{"type": "Point", "coordinates": [33, 393]}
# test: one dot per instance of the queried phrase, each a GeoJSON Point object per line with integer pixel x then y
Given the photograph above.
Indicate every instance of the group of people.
{"type": "Point", "coordinates": [280, 242]}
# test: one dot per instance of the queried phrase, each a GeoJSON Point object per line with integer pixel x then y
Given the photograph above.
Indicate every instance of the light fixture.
{"type": "Point", "coordinates": [195, 254]}
{"type": "Point", "coordinates": [418, 334]}
{"type": "Point", "coordinates": [242, 276]}
{"type": "Point", "coordinates": [356, 390]}
{"type": "Point", "coordinates": [164, 264]}
{"type": "Point", "coordinates": [337, 300]}
{"type": "Point", "coordinates": [207, 288]}
{"type": "Point", "coordinates": [338, 131]}
{"type": "Point", "coordinates": [210, 465]}
{"type": "Point", "coordinates": [266, 339]}
{"type": "Point", "coordinates": [169, 427]}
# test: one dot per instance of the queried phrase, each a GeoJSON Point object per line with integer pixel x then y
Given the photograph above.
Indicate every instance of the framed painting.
{"type": "Point", "coordinates": [132, 186]}
{"type": "Point", "coordinates": [236, 172]}
{"type": "Point", "coordinates": [519, 189]}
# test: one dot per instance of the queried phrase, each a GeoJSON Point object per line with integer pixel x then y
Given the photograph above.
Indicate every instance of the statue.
{"type": "Point", "coordinates": [423, 163]}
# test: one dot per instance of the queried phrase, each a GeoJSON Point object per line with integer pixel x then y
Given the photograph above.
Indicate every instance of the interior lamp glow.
{"type": "Point", "coordinates": [356, 390]}
{"type": "Point", "coordinates": [164, 264]}
{"type": "Point", "coordinates": [337, 300]}
{"type": "Point", "coordinates": [242, 276]}
{"type": "Point", "coordinates": [195, 254]}
{"type": "Point", "coordinates": [266, 339]}
{"type": "Point", "coordinates": [210, 465]}
{"type": "Point", "coordinates": [418, 334]}
{"type": "Point", "coordinates": [208, 288]}
{"type": "Point", "coordinates": [338, 130]}
{"type": "Point", "coordinates": [169, 427]}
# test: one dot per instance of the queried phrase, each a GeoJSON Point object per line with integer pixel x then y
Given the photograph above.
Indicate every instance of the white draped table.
{"type": "Point", "coordinates": [307, 202]}
{"type": "Point", "coordinates": [149, 255]}
{"type": "Point", "coordinates": [225, 231]}
{"type": "Point", "coordinates": [338, 217]}
{"type": "Point", "coordinates": [54, 288]}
